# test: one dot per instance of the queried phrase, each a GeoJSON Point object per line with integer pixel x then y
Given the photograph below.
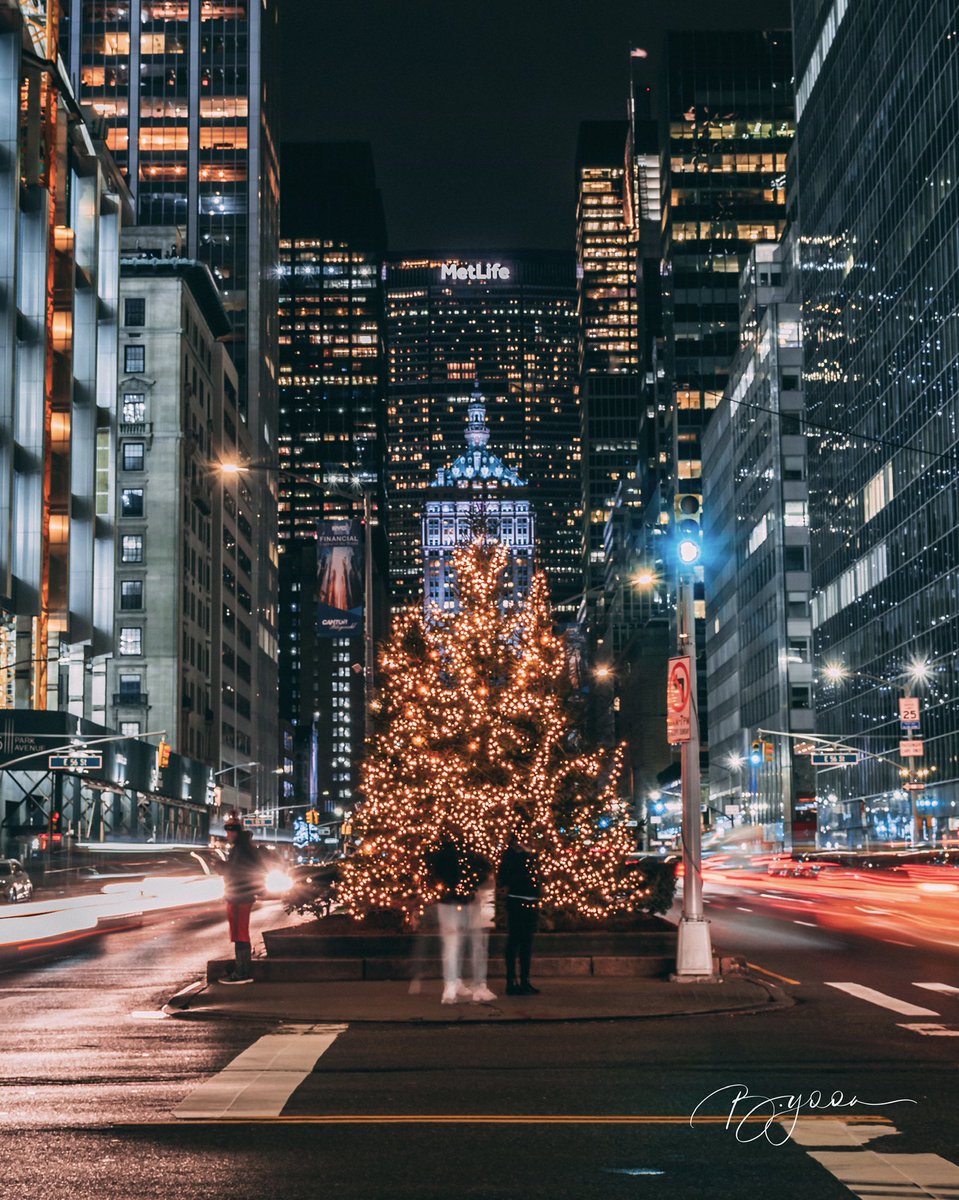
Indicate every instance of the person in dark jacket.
{"type": "Point", "coordinates": [243, 876]}
{"type": "Point", "coordinates": [460, 873]}
{"type": "Point", "coordinates": [518, 874]}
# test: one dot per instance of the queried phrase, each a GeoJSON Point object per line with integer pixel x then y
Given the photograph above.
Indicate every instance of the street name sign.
{"type": "Point", "coordinates": [911, 749]}
{"type": "Point", "coordinates": [75, 762]}
{"type": "Point", "coordinates": [834, 758]}
{"type": "Point", "coordinates": [678, 701]}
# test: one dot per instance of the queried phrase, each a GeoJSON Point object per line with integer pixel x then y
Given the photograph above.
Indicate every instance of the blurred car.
{"type": "Point", "coordinates": [314, 886]}
{"type": "Point", "coordinates": [15, 883]}
{"type": "Point", "coordinates": [277, 880]}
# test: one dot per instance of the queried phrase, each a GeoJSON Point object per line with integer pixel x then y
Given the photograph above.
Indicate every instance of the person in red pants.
{"type": "Point", "coordinates": [243, 875]}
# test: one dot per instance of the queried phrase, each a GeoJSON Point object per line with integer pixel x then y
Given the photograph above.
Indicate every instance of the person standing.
{"type": "Point", "coordinates": [459, 874]}
{"type": "Point", "coordinates": [518, 874]}
{"type": "Point", "coordinates": [243, 876]}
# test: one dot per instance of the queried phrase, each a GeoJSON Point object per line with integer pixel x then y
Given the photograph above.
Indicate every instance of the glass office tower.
{"type": "Point", "coordinates": [607, 301]}
{"type": "Point", "coordinates": [878, 163]}
{"type": "Point", "coordinates": [726, 114]}
{"type": "Point", "coordinates": [507, 323]}
{"type": "Point", "coordinates": [332, 432]}
{"type": "Point", "coordinates": [184, 88]}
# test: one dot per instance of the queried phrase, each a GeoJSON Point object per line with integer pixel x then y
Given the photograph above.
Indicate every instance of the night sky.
{"type": "Point", "coordinates": [473, 108]}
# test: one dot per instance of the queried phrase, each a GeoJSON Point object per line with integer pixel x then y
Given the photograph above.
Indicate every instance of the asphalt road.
{"type": "Point", "coordinates": [95, 1085]}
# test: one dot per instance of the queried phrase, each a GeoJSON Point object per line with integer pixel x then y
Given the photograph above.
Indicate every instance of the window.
{"type": "Point", "coordinates": [799, 650]}
{"type": "Point", "coordinates": [129, 687]}
{"type": "Point", "coordinates": [131, 502]}
{"type": "Point", "coordinates": [135, 311]}
{"type": "Point", "coordinates": [131, 640]}
{"type": "Point", "coordinates": [131, 548]}
{"type": "Point", "coordinates": [132, 456]}
{"type": "Point", "coordinates": [131, 594]}
{"type": "Point", "coordinates": [796, 513]}
{"type": "Point", "coordinates": [130, 728]}
{"type": "Point", "coordinates": [134, 359]}
{"type": "Point", "coordinates": [794, 558]}
{"type": "Point", "coordinates": [799, 696]}
{"type": "Point", "coordinates": [134, 409]}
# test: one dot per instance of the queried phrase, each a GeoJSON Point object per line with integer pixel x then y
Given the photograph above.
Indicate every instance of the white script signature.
{"type": "Point", "coordinates": [775, 1117]}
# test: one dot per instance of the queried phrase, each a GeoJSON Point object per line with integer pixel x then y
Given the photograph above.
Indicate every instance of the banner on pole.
{"type": "Point", "coordinates": [678, 701]}
{"type": "Point", "coordinates": [339, 579]}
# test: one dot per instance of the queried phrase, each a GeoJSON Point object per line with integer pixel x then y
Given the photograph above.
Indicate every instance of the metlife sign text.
{"type": "Point", "coordinates": [479, 271]}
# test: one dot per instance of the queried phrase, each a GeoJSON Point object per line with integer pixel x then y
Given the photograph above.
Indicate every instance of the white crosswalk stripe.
{"type": "Point", "coordinates": [861, 992]}
{"type": "Point", "coordinates": [871, 1174]}
{"type": "Point", "coordinates": [259, 1082]}
{"type": "Point", "coordinates": [931, 1030]}
{"type": "Point", "coordinates": [944, 989]}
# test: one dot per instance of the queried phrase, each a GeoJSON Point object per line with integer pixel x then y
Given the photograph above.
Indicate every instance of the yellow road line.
{"type": "Point", "coordinates": [497, 1119]}
{"type": "Point", "coordinates": [783, 978]}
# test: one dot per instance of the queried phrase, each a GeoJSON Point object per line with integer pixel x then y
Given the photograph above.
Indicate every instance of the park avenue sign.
{"type": "Point", "coordinates": [455, 270]}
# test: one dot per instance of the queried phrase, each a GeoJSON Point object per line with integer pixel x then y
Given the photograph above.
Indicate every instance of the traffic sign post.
{"type": "Point", "coordinates": [678, 701]}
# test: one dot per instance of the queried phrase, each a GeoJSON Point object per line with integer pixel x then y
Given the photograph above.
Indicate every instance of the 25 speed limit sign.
{"type": "Point", "coordinates": [678, 701]}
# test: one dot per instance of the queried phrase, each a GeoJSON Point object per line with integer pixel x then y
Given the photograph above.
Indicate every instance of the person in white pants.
{"type": "Point", "coordinates": [461, 875]}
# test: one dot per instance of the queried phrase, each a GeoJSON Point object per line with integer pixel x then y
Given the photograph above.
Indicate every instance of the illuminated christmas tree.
{"type": "Point", "coordinates": [473, 729]}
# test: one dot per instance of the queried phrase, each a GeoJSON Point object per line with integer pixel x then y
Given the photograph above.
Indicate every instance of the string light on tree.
{"type": "Point", "coordinates": [472, 730]}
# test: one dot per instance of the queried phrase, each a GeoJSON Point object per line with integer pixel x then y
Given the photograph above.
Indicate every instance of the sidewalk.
{"type": "Point", "coordinates": [562, 999]}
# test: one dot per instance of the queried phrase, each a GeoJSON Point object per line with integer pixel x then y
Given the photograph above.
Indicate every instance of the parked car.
{"type": "Point", "coordinates": [15, 883]}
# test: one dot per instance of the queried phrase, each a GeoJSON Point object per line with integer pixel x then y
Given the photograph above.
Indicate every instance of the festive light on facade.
{"type": "Point", "coordinates": [472, 732]}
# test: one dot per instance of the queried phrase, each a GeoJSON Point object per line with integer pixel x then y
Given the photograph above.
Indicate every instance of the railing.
{"type": "Point", "coordinates": [130, 699]}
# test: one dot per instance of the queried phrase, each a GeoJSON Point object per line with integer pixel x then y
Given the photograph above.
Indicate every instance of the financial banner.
{"type": "Point", "coordinates": [339, 579]}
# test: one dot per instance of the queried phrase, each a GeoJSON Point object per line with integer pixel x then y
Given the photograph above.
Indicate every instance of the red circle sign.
{"type": "Point", "coordinates": [678, 692]}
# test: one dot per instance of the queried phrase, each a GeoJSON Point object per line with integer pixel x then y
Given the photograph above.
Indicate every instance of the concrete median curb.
{"type": "Point", "coordinates": [567, 1000]}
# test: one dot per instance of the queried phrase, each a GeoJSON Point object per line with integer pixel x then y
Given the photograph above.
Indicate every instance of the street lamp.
{"type": "Point", "coordinates": [694, 952]}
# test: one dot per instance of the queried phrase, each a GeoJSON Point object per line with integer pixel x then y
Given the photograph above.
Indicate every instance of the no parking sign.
{"type": "Point", "coordinates": [678, 701]}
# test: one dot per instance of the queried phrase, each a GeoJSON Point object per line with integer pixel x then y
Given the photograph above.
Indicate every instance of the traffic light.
{"type": "Point", "coordinates": [769, 751]}
{"type": "Point", "coordinates": [756, 754]}
{"type": "Point", "coordinates": [163, 755]}
{"type": "Point", "coordinates": [688, 519]}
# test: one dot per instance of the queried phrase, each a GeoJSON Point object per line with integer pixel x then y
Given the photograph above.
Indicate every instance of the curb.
{"type": "Point", "coordinates": [179, 1006]}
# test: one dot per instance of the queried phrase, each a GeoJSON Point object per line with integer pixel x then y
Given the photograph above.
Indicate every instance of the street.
{"type": "Point", "coordinates": [98, 1084]}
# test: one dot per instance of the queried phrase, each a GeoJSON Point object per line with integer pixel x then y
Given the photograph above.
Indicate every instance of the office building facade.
{"type": "Point", "coordinates": [332, 444]}
{"type": "Point", "coordinates": [756, 526]}
{"type": "Point", "coordinates": [184, 90]}
{"type": "Point", "coordinates": [878, 160]}
{"type": "Point", "coordinates": [608, 351]}
{"type": "Point", "coordinates": [507, 323]}
{"type": "Point", "coordinates": [478, 495]}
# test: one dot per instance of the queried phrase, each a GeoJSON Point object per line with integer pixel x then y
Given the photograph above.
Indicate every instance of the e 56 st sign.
{"type": "Point", "coordinates": [478, 271]}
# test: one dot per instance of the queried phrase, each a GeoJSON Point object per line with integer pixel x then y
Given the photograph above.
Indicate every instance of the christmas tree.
{"type": "Point", "coordinates": [473, 729]}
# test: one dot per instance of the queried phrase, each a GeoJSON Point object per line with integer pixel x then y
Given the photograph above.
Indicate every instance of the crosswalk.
{"type": "Point", "coordinates": [259, 1082]}
{"type": "Point", "coordinates": [907, 1008]}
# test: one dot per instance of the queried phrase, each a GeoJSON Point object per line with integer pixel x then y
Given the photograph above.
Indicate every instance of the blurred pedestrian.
{"type": "Point", "coordinates": [243, 877]}
{"type": "Point", "coordinates": [459, 874]}
{"type": "Point", "coordinates": [518, 873]}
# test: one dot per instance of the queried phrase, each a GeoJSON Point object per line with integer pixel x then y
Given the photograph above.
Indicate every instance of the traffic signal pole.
{"type": "Point", "coordinates": [694, 952]}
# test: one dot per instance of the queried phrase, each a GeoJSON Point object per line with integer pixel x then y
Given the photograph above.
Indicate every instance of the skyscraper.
{"type": "Point", "coordinates": [332, 435]}
{"type": "Point", "coordinates": [878, 160]}
{"type": "Point", "coordinates": [726, 118]}
{"type": "Point", "coordinates": [507, 322]}
{"type": "Point", "coordinates": [478, 494]}
{"type": "Point", "coordinates": [608, 369]}
{"type": "Point", "coordinates": [184, 88]}
{"type": "Point", "coordinates": [756, 524]}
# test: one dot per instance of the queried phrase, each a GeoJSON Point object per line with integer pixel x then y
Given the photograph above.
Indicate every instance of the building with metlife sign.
{"type": "Point", "coordinates": [504, 322]}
